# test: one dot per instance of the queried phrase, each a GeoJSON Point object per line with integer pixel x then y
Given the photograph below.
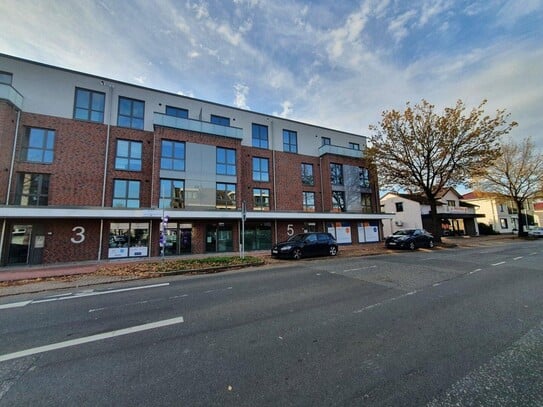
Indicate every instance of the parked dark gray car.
{"type": "Point", "coordinates": [409, 239]}
{"type": "Point", "coordinates": [306, 245]}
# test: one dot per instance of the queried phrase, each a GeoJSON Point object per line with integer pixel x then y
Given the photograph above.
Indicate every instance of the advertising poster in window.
{"type": "Point", "coordinates": [368, 232]}
{"type": "Point", "coordinates": [341, 231]}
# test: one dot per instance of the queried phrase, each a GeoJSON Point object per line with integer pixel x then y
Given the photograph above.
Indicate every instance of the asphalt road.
{"type": "Point", "coordinates": [433, 327]}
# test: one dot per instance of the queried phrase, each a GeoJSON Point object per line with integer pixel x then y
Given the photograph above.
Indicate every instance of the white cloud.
{"type": "Point", "coordinates": [287, 111]}
{"type": "Point", "coordinates": [397, 27]}
{"type": "Point", "coordinates": [241, 93]}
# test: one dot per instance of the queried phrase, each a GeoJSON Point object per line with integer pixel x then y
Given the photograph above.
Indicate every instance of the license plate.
{"type": "Point", "coordinates": [392, 244]}
{"type": "Point", "coordinates": [274, 251]}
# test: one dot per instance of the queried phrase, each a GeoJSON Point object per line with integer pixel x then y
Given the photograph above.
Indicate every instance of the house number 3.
{"type": "Point", "coordinates": [79, 235]}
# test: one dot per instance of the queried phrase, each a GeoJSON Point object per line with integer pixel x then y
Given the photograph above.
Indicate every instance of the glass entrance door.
{"type": "Point", "coordinates": [19, 245]}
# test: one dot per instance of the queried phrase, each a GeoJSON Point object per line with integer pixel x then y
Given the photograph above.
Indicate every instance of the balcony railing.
{"type": "Point", "coordinates": [161, 119]}
{"type": "Point", "coordinates": [8, 92]}
{"type": "Point", "coordinates": [338, 150]}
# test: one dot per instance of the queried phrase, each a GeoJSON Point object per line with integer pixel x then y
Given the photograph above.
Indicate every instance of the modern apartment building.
{"type": "Point", "coordinates": [94, 168]}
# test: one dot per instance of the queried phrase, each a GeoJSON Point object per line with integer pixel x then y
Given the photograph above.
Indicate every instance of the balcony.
{"type": "Point", "coordinates": [161, 119]}
{"type": "Point", "coordinates": [8, 92]}
{"type": "Point", "coordinates": [338, 150]}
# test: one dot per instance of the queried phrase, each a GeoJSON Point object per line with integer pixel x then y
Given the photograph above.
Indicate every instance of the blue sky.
{"type": "Point", "coordinates": [337, 64]}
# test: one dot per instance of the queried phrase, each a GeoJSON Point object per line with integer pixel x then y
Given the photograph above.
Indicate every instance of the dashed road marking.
{"type": "Point", "coordinates": [498, 264]}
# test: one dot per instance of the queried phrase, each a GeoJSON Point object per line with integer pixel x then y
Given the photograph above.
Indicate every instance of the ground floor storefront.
{"type": "Point", "coordinates": [42, 240]}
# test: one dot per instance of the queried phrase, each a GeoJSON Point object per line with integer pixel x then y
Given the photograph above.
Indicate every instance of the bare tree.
{"type": "Point", "coordinates": [423, 151]}
{"type": "Point", "coordinates": [517, 173]}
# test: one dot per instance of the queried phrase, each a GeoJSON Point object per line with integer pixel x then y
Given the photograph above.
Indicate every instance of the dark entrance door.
{"type": "Point", "coordinates": [20, 244]}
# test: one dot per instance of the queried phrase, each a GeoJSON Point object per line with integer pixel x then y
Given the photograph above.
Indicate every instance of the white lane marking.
{"type": "Point", "coordinates": [94, 293]}
{"type": "Point", "coordinates": [92, 338]}
{"type": "Point", "coordinates": [474, 271]}
{"type": "Point", "coordinates": [498, 264]}
{"type": "Point", "coordinates": [532, 254]}
{"type": "Point", "coordinates": [385, 302]}
{"type": "Point", "coordinates": [360, 268]}
{"type": "Point", "coordinates": [15, 304]}
{"type": "Point", "coordinates": [518, 258]}
{"type": "Point", "coordinates": [436, 284]}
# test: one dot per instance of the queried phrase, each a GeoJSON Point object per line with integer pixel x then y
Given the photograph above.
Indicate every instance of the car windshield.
{"type": "Point", "coordinates": [297, 238]}
{"type": "Point", "coordinates": [404, 232]}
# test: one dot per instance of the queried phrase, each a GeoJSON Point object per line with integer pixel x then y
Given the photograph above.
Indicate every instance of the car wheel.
{"type": "Point", "coordinates": [333, 250]}
{"type": "Point", "coordinates": [412, 246]}
{"type": "Point", "coordinates": [430, 243]}
{"type": "Point", "coordinates": [297, 254]}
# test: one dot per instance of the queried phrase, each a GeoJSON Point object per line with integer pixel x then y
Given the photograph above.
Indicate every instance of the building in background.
{"type": "Point", "coordinates": [500, 211]}
{"type": "Point", "coordinates": [412, 211]}
{"type": "Point", "coordinates": [93, 168]}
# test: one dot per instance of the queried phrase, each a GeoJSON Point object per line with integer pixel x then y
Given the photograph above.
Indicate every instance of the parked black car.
{"type": "Point", "coordinates": [306, 245]}
{"type": "Point", "coordinates": [409, 239]}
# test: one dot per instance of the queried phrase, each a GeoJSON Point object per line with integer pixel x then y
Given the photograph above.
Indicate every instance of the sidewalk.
{"type": "Point", "coordinates": [28, 279]}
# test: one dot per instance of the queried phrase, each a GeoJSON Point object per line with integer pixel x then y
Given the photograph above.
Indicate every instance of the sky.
{"type": "Point", "coordinates": [336, 64]}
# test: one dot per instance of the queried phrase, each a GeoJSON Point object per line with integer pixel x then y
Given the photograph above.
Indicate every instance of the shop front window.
{"type": "Point", "coordinates": [128, 239]}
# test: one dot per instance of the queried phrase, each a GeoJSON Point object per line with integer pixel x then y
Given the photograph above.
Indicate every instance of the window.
{"type": "Point", "coordinates": [354, 146]}
{"type": "Point", "coordinates": [172, 155]}
{"type": "Point", "coordinates": [364, 177]}
{"type": "Point", "coordinates": [172, 193]}
{"type": "Point", "coordinates": [503, 223]}
{"type": "Point", "coordinates": [365, 200]}
{"type": "Point", "coordinates": [261, 199]}
{"type": "Point", "coordinates": [221, 121]}
{"type": "Point", "coordinates": [38, 146]}
{"type": "Point", "coordinates": [326, 141]}
{"type": "Point", "coordinates": [338, 201]}
{"type": "Point", "coordinates": [260, 169]}
{"type": "Point", "coordinates": [399, 206]}
{"type": "Point", "coordinates": [336, 174]}
{"type": "Point", "coordinates": [177, 112]}
{"type": "Point", "coordinates": [260, 136]}
{"type": "Point", "coordinates": [131, 113]}
{"type": "Point", "coordinates": [126, 194]}
{"type": "Point", "coordinates": [308, 201]}
{"type": "Point", "coordinates": [226, 161]}
{"type": "Point", "coordinates": [89, 105]}
{"type": "Point", "coordinates": [451, 203]}
{"type": "Point", "coordinates": [307, 174]}
{"type": "Point", "coordinates": [32, 189]}
{"type": "Point", "coordinates": [290, 141]}
{"type": "Point", "coordinates": [6, 78]}
{"type": "Point", "coordinates": [128, 155]}
{"type": "Point", "coordinates": [226, 196]}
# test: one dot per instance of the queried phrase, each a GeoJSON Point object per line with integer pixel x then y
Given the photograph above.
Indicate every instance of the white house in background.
{"type": "Point", "coordinates": [500, 211]}
{"type": "Point", "coordinates": [413, 211]}
{"type": "Point", "coordinates": [538, 213]}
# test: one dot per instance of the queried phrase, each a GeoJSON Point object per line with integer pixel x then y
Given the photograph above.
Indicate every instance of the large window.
{"type": "Point", "coordinates": [354, 146]}
{"type": "Point", "coordinates": [307, 174]}
{"type": "Point", "coordinates": [172, 155]}
{"type": "Point", "coordinates": [290, 141]}
{"type": "Point", "coordinates": [32, 189]}
{"type": "Point", "coordinates": [260, 169]}
{"type": "Point", "coordinates": [220, 120]}
{"type": "Point", "coordinates": [226, 161]}
{"type": "Point", "coordinates": [336, 174]}
{"type": "Point", "coordinates": [131, 113]}
{"type": "Point", "coordinates": [226, 196]}
{"type": "Point", "coordinates": [126, 194]}
{"type": "Point", "coordinates": [38, 146]}
{"type": "Point", "coordinates": [128, 155]}
{"type": "Point", "coordinates": [89, 105]}
{"type": "Point", "coordinates": [260, 136]}
{"type": "Point", "coordinates": [365, 200]}
{"type": "Point", "coordinates": [338, 201]}
{"type": "Point", "coordinates": [364, 177]}
{"type": "Point", "coordinates": [6, 78]}
{"type": "Point", "coordinates": [177, 112]}
{"type": "Point", "coordinates": [309, 201]}
{"type": "Point", "coordinates": [128, 239]}
{"type": "Point", "coordinates": [261, 199]}
{"type": "Point", "coordinates": [172, 193]}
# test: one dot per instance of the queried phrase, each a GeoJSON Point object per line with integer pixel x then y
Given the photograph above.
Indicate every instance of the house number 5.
{"type": "Point", "coordinates": [79, 235]}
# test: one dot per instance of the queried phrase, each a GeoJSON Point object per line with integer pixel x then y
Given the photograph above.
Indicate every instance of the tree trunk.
{"type": "Point", "coordinates": [521, 231]}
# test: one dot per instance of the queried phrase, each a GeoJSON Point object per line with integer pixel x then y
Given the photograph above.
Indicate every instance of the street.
{"type": "Point", "coordinates": [436, 327]}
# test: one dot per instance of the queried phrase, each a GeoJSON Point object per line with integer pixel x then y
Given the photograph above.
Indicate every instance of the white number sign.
{"type": "Point", "coordinates": [79, 235]}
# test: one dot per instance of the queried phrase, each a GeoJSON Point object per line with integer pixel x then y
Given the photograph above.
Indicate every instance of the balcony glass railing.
{"type": "Point", "coordinates": [338, 150]}
{"type": "Point", "coordinates": [161, 119]}
{"type": "Point", "coordinates": [8, 92]}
